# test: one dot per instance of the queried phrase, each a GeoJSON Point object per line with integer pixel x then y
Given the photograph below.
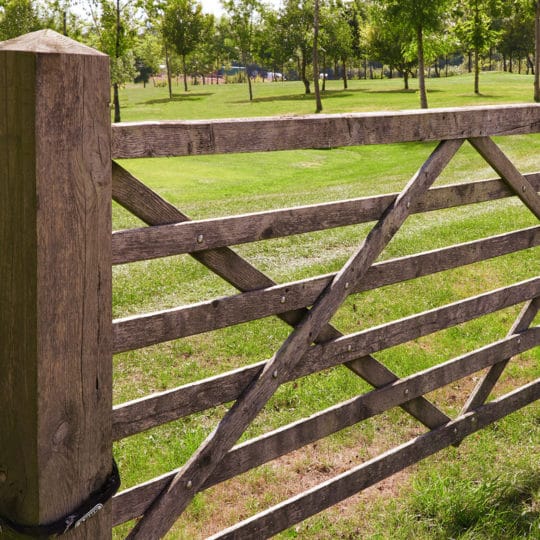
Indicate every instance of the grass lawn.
{"type": "Point", "coordinates": [489, 487]}
{"type": "Point", "coordinates": [270, 99]}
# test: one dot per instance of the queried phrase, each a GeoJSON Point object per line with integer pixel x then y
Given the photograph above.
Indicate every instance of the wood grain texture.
{"type": "Point", "coordinates": [147, 329]}
{"type": "Point", "coordinates": [133, 502]}
{"type": "Point", "coordinates": [147, 412]}
{"type": "Point", "coordinates": [226, 263]}
{"type": "Point", "coordinates": [309, 503]}
{"type": "Point", "coordinates": [191, 236]}
{"type": "Point", "coordinates": [507, 170]}
{"type": "Point", "coordinates": [486, 384]}
{"type": "Point", "coordinates": [170, 504]}
{"type": "Point", "coordinates": [55, 331]}
{"type": "Point", "coordinates": [197, 137]}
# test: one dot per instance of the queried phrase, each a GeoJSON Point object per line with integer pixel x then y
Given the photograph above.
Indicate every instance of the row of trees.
{"type": "Point", "coordinates": [305, 37]}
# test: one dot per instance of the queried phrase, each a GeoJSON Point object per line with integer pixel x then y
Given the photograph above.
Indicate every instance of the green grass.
{"type": "Point", "coordinates": [488, 488]}
{"type": "Point", "coordinates": [270, 99]}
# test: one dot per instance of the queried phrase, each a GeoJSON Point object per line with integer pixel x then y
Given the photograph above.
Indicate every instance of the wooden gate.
{"type": "Point", "coordinates": [56, 337]}
{"type": "Point", "coordinates": [308, 305]}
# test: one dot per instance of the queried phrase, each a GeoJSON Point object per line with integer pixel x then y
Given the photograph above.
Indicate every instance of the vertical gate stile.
{"type": "Point", "coordinates": [174, 499]}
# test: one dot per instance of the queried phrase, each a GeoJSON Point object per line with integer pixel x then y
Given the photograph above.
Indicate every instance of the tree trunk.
{"type": "Point", "coordinates": [184, 72]}
{"type": "Point", "coordinates": [168, 66]}
{"type": "Point", "coordinates": [345, 82]}
{"type": "Point", "coordinates": [244, 60]}
{"type": "Point", "coordinates": [505, 68]}
{"type": "Point", "coordinates": [318, 102]}
{"type": "Point", "coordinates": [537, 53]}
{"type": "Point", "coordinates": [116, 100]}
{"type": "Point", "coordinates": [421, 75]}
{"type": "Point", "coordinates": [406, 79]}
{"type": "Point", "coordinates": [324, 74]}
{"type": "Point", "coordinates": [476, 72]}
{"type": "Point", "coordinates": [469, 62]}
{"type": "Point", "coordinates": [305, 80]}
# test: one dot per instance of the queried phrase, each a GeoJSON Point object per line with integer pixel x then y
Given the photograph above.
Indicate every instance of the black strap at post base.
{"type": "Point", "coordinates": [84, 511]}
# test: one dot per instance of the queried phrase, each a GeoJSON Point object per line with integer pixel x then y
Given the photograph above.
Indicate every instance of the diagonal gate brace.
{"type": "Point", "coordinates": [488, 382]}
{"type": "Point", "coordinates": [147, 205]}
{"type": "Point", "coordinates": [173, 500]}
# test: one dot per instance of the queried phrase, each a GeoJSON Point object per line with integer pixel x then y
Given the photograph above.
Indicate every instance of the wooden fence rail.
{"type": "Point", "coordinates": [57, 335]}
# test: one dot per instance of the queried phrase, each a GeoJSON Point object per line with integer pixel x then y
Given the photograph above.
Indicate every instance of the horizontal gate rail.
{"type": "Point", "coordinates": [200, 137]}
{"type": "Point", "coordinates": [191, 236]}
{"type": "Point", "coordinates": [148, 329]}
{"type": "Point", "coordinates": [133, 502]}
{"type": "Point", "coordinates": [351, 482]}
{"type": "Point", "coordinates": [147, 412]}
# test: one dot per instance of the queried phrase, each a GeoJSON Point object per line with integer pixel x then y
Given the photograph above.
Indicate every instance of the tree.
{"type": "Point", "coordinates": [318, 107]}
{"type": "Point", "coordinates": [59, 15]}
{"type": "Point", "coordinates": [418, 17]}
{"type": "Point", "coordinates": [338, 31]}
{"type": "Point", "coordinates": [18, 17]}
{"type": "Point", "coordinates": [148, 50]}
{"type": "Point", "coordinates": [114, 35]}
{"type": "Point", "coordinates": [243, 15]}
{"type": "Point", "coordinates": [297, 17]}
{"type": "Point", "coordinates": [475, 31]}
{"type": "Point", "coordinates": [184, 25]}
{"type": "Point", "coordinates": [389, 43]}
{"type": "Point", "coordinates": [537, 53]}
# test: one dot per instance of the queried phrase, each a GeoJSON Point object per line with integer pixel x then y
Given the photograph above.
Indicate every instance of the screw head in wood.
{"type": "Point", "coordinates": [200, 239]}
{"type": "Point", "coordinates": [408, 204]}
{"type": "Point", "coordinates": [349, 348]}
{"type": "Point", "coordinates": [347, 285]}
{"type": "Point", "coordinates": [275, 374]}
{"type": "Point", "coordinates": [523, 188]}
{"type": "Point", "coordinates": [189, 484]}
{"type": "Point", "coordinates": [282, 300]}
{"type": "Point", "coordinates": [406, 391]}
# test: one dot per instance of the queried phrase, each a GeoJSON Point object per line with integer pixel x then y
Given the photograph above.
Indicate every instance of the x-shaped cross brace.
{"type": "Point", "coordinates": [174, 499]}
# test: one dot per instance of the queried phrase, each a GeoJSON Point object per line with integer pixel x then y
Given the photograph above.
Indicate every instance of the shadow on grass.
{"type": "Point", "coordinates": [190, 96]}
{"type": "Point", "coordinates": [402, 91]}
{"type": "Point", "coordinates": [512, 507]}
{"type": "Point", "coordinates": [331, 94]}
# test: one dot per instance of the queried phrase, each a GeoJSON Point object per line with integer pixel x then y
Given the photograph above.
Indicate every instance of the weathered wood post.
{"type": "Point", "coordinates": [55, 281]}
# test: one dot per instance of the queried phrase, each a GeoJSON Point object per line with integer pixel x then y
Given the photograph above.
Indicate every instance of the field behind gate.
{"type": "Point", "coordinates": [488, 488]}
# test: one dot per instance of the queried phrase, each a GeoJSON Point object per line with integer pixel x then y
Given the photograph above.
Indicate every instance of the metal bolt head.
{"type": "Point", "coordinates": [347, 285]}
{"type": "Point", "coordinates": [189, 484]}
{"type": "Point", "coordinates": [523, 188]}
{"type": "Point", "coordinates": [349, 348]}
{"type": "Point", "coordinates": [408, 204]}
{"type": "Point", "coordinates": [200, 239]}
{"type": "Point", "coordinates": [275, 374]}
{"type": "Point", "coordinates": [282, 300]}
{"type": "Point", "coordinates": [406, 391]}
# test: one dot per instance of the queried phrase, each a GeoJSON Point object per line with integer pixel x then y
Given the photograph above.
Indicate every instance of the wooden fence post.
{"type": "Point", "coordinates": [55, 281]}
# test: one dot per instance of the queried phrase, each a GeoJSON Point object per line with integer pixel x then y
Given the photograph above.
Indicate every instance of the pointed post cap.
{"type": "Point", "coordinates": [47, 41]}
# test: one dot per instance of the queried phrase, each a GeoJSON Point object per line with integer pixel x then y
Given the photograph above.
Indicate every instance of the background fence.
{"type": "Point", "coordinates": [56, 337]}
